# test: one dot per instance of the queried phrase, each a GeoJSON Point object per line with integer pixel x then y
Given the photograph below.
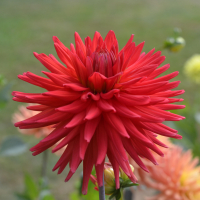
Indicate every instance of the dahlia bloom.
{"type": "Point", "coordinates": [177, 177]}
{"type": "Point", "coordinates": [104, 102]}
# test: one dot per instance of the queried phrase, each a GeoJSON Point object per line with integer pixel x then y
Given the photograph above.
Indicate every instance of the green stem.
{"type": "Point", "coordinates": [122, 194]}
{"type": "Point", "coordinates": [44, 165]}
{"type": "Point", "coordinates": [43, 171]}
{"type": "Point", "coordinates": [102, 191]}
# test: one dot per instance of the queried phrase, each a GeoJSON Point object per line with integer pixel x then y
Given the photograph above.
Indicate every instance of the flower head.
{"type": "Point", "coordinates": [192, 68]}
{"type": "Point", "coordinates": [105, 102]}
{"type": "Point", "coordinates": [177, 177]}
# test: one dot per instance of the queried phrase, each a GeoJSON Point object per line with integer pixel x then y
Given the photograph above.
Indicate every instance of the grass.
{"type": "Point", "coordinates": [28, 26]}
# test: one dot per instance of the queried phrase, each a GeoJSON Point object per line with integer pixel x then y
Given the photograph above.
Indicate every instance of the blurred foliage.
{"type": "Point", "coordinates": [12, 146]}
{"type": "Point", "coordinates": [34, 191]}
{"type": "Point", "coordinates": [4, 91]}
{"type": "Point", "coordinates": [92, 194]}
{"type": "Point", "coordinates": [189, 128]}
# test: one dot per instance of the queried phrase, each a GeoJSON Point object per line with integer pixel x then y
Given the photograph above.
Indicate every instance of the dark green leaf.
{"type": "Point", "coordinates": [12, 146]}
{"type": "Point", "coordinates": [130, 185]}
{"type": "Point", "coordinates": [113, 195]}
{"type": "Point", "coordinates": [118, 196]}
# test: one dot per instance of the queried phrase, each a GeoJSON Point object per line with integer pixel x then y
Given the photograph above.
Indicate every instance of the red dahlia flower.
{"type": "Point", "coordinates": [105, 102]}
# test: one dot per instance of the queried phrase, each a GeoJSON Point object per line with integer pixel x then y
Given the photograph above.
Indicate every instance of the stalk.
{"type": "Point", "coordinates": [44, 165]}
{"type": "Point", "coordinates": [102, 191]}
{"type": "Point", "coordinates": [122, 194]}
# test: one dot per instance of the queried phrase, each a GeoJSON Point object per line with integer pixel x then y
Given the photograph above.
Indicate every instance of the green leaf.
{"type": "Point", "coordinates": [48, 197]}
{"type": "Point", "coordinates": [118, 195]}
{"type": "Point", "coordinates": [74, 196]}
{"type": "Point", "coordinates": [31, 188]}
{"type": "Point", "coordinates": [130, 185]}
{"type": "Point", "coordinates": [12, 146]}
{"type": "Point", "coordinates": [127, 183]}
{"type": "Point", "coordinates": [113, 194]}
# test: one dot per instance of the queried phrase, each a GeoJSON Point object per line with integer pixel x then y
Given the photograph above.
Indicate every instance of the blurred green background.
{"type": "Point", "coordinates": [27, 26]}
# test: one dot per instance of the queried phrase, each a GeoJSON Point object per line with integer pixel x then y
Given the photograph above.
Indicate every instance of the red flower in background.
{"type": "Point", "coordinates": [105, 102]}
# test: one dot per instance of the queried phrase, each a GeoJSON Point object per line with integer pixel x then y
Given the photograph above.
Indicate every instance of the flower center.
{"type": "Point", "coordinates": [103, 62]}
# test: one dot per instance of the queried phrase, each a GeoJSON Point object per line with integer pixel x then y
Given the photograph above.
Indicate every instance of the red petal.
{"type": "Point", "coordinates": [92, 112]}
{"type": "Point", "coordinates": [68, 138]}
{"type": "Point", "coordinates": [75, 107]}
{"type": "Point", "coordinates": [90, 128]}
{"type": "Point", "coordinates": [110, 39]}
{"type": "Point", "coordinates": [97, 80]}
{"type": "Point", "coordinates": [102, 143]}
{"type": "Point", "coordinates": [116, 123]}
{"type": "Point", "coordinates": [133, 154]}
{"type": "Point", "coordinates": [78, 40]}
{"type": "Point", "coordinates": [105, 106]}
{"type": "Point", "coordinates": [76, 120]}
{"type": "Point", "coordinates": [87, 168]}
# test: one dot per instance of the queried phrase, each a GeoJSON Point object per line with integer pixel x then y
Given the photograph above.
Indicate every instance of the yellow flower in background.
{"type": "Point", "coordinates": [192, 68]}
{"type": "Point", "coordinates": [191, 179]}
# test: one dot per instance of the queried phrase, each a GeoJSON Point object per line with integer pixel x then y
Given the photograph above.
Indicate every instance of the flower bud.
{"type": "Point", "coordinates": [174, 44]}
{"type": "Point", "coordinates": [109, 179]}
{"type": "Point", "coordinates": [123, 175]}
{"type": "Point", "coordinates": [178, 44]}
